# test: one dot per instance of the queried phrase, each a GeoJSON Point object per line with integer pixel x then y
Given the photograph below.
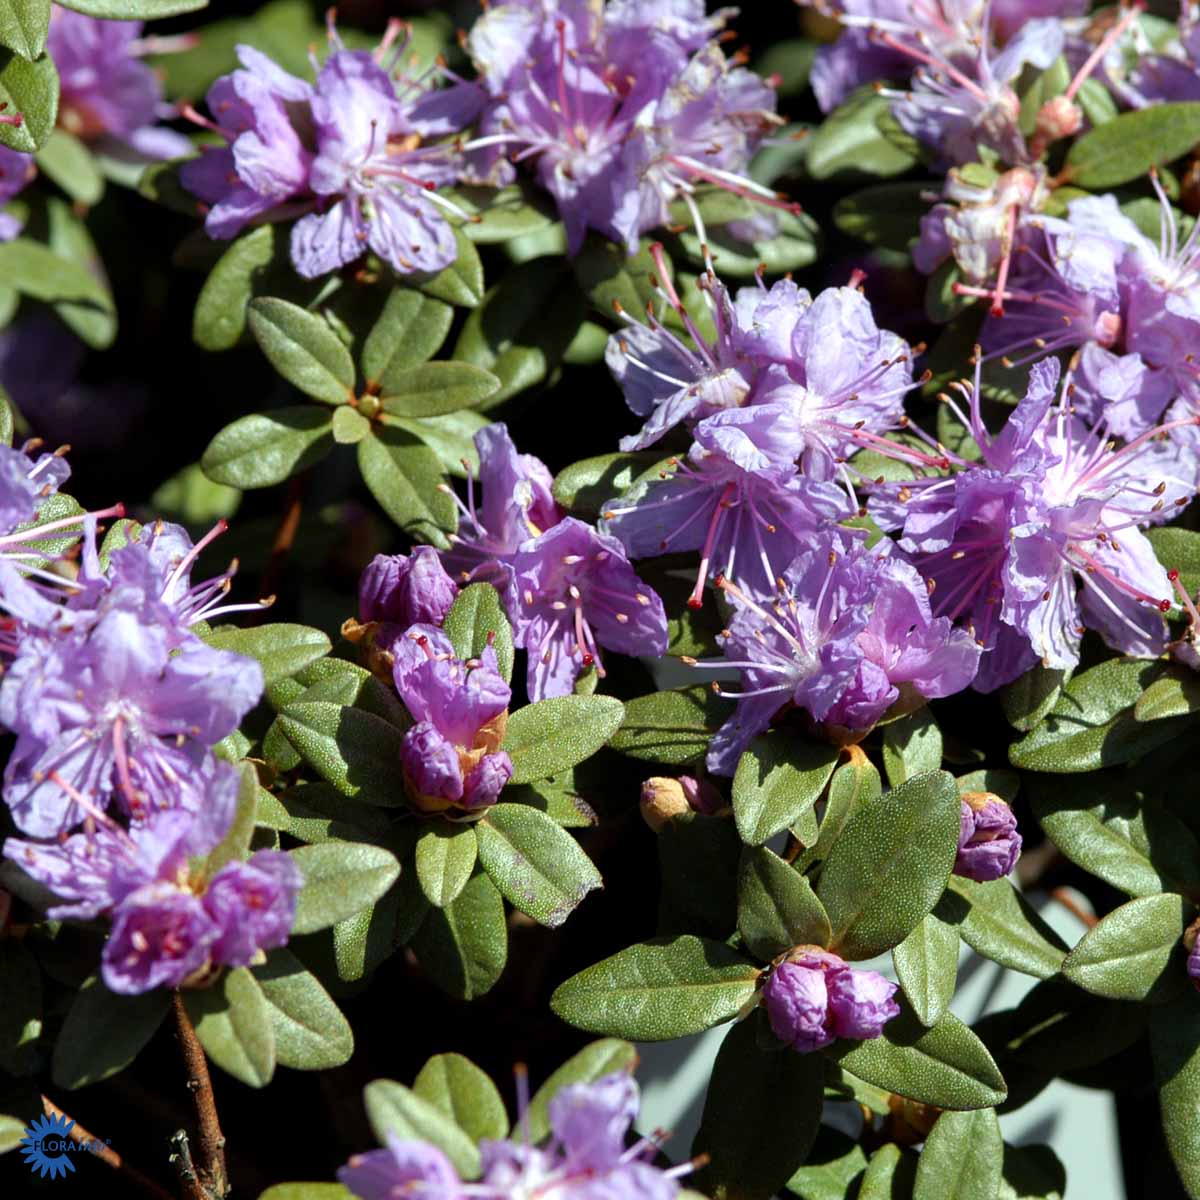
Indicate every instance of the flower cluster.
{"type": "Point", "coordinates": [586, 1157]}
{"type": "Point", "coordinates": [116, 704]}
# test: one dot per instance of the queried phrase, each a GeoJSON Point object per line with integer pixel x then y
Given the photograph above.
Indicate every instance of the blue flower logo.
{"type": "Point", "coordinates": [45, 1143]}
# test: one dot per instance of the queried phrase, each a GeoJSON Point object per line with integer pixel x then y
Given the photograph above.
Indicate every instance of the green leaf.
{"type": "Point", "coordinates": [501, 213]}
{"type": "Point", "coordinates": [926, 964]}
{"type": "Point", "coordinates": [795, 244]}
{"type": "Point", "coordinates": [1092, 724]}
{"type": "Point", "coordinates": [1180, 549]}
{"type": "Point", "coordinates": [947, 1065]}
{"type": "Point", "coordinates": [356, 751]}
{"type": "Point", "coordinates": [609, 277]}
{"type": "Point", "coordinates": [396, 1110]}
{"type": "Point", "coordinates": [911, 746]}
{"type": "Point", "coordinates": [267, 448]}
{"type": "Point", "coordinates": [38, 271]}
{"type": "Point", "coordinates": [303, 348]}
{"type": "Point", "coordinates": [461, 283]}
{"type": "Point", "coordinates": [552, 735]}
{"type": "Point", "coordinates": [233, 1022]}
{"type": "Point", "coordinates": [349, 426]}
{"type": "Point", "coordinates": [1127, 147]}
{"type": "Point", "coordinates": [404, 475]}
{"type": "Point", "coordinates": [95, 318]}
{"type": "Point", "coordinates": [461, 1091]}
{"type": "Point", "coordinates": [833, 1165]}
{"type": "Point", "coordinates": [281, 650]}
{"type": "Point", "coordinates": [777, 908]}
{"type": "Point", "coordinates": [1032, 1172]}
{"type": "Point", "coordinates": [104, 1032]}
{"type": "Point", "coordinates": [963, 1158]}
{"type": "Point", "coordinates": [890, 1175]}
{"type": "Point", "coordinates": [68, 162]}
{"type": "Point", "coordinates": [999, 923]}
{"type": "Point", "coordinates": [133, 10]}
{"type": "Point", "coordinates": [31, 89]}
{"type": "Point", "coordinates": [464, 946]}
{"type": "Point", "coordinates": [409, 331]}
{"type": "Point", "coordinates": [219, 318]}
{"type": "Point", "coordinates": [778, 779]}
{"type": "Point", "coordinates": [1175, 1047]}
{"type": "Point", "coordinates": [1135, 952]}
{"type": "Point", "coordinates": [850, 789]}
{"type": "Point", "coordinates": [585, 486]}
{"type": "Point", "coordinates": [340, 879]}
{"type": "Point", "coordinates": [445, 860]}
{"type": "Point", "coordinates": [477, 620]}
{"type": "Point", "coordinates": [762, 1111]}
{"type": "Point", "coordinates": [523, 327]}
{"type": "Point", "coordinates": [658, 990]}
{"type": "Point", "coordinates": [1173, 695]}
{"type": "Point", "coordinates": [235, 845]}
{"type": "Point", "coordinates": [306, 1191]}
{"type": "Point", "coordinates": [433, 389]}
{"type": "Point", "coordinates": [670, 727]}
{"type": "Point", "coordinates": [888, 214]}
{"type": "Point", "coordinates": [23, 25]}
{"type": "Point", "coordinates": [890, 865]}
{"type": "Point", "coordinates": [310, 1032]}
{"type": "Point", "coordinates": [849, 142]}
{"type": "Point", "coordinates": [597, 1059]}
{"type": "Point", "coordinates": [538, 867]}
{"type": "Point", "coordinates": [191, 498]}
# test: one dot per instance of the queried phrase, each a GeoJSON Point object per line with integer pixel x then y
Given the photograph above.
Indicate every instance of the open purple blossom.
{"type": "Point", "coordinates": [988, 842]}
{"type": "Point", "coordinates": [814, 997]}
{"type": "Point", "coordinates": [451, 756]}
{"type": "Point", "coordinates": [573, 592]}
{"type": "Point", "coordinates": [1041, 537]}
{"type": "Point", "coordinates": [402, 1168]}
{"type": "Point", "coordinates": [515, 505]}
{"type": "Point", "coordinates": [622, 110]}
{"type": "Point", "coordinates": [108, 97]}
{"type": "Point", "coordinates": [16, 170]}
{"type": "Point", "coordinates": [847, 634]}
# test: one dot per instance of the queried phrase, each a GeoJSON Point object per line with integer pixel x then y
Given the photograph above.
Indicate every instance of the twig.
{"type": "Point", "coordinates": [106, 1153]}
{"type": "Point", "coordinates": [209, 1180]}
{"type": "Point", "coordinates": [285, 538]}
{"type": "Point", "coordinates": [1067, 901]}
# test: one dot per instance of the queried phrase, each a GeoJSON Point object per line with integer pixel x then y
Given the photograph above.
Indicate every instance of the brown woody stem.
{"type": "Point", "coordinates": [209, 1180]}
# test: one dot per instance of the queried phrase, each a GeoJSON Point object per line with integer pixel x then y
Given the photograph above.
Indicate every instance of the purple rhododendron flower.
{"type": "Point", "coordinates": [161, 937]}
{"type": "Point", "coordinates": [988, 842]}
{"type": "Point", "coordinates": [846, 634]}
{"type": "Point", "coordinates": [451, 756]}
{"type": "Point", "coordinates": [406, 589]}
{"type": "Point", "coordinates": [515, 506]}
{"type": "Point", "coordinates": [572, 592]}
{"type": "Point", "coordinates": [108, 97]}
{"type": "Point", "coordinates": [814, 998]}
{"type": "Point", "coordinates": [16, 170]}
{"type": "Point", "coordinates": [403, 1168]}
{"type": "Point", "coordinates": [253, 904]}
{"type": "Point", "coordinates": [1006, 543]}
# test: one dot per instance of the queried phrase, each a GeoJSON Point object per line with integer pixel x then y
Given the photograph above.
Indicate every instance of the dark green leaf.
{"type": "Point", "coordinates": [890, 1175]}
{"type": "Point", "coordinates": [1135, 952]}
{"type": "Point", "coordinates": [349, 426]}
{"type": "Point", "coordinates": [1179, 549]}
{"type": "Point", "coordinates": [999, 923]}
{"type": "Point", "coordinates": [777, 908]}
{"type": "Point", "coordinates": [461, 1091]}
{"type": "Point", "coordinates": [31, 89]}
{"type": "Point", "coordinates": [947, 1065]}
{"type": "Point", "coordinates": [235, 845]}
{"type": "Point", "coordinates": [93, 319]}
{"type": "Point", "coordinates": [585, 486]}
{"type": "Point", "coordinates": [850, 788]}
{"type": "Point", "coordinates": [1128, 146]}
{"type": "Point", "coordinates": [464, 947]}
{"type": "Point", "coordinates": [281, 650]}
{"type": "Point", "coordinates": [477, 620]}
{"type": "Point", "coordinates": [962, 1159]}
{"type": "Point", "coordinates": [761, 1115]}
{"type": "Point", "coordinates": [404, 475]}
{"type": "Point", "coordinates": [779, 778]}
{"type": "Point", "coordinates": [890, 865]}
{"type": "Point", "coordinates": [445, 859]}
{"type": "Point", "coordinates": [834, 1164]}
{"type": "Point", "coordinates": [233, 1022]}
{"type": "Point", "coordinates": [433, 389]}
{"type": "Point", "coordinates": [104, 1032]}
{"type": "Point", "coordinates": [594, 1061]}
{"type": "Point", "coordinates": [849, 142]}
{"type": "Point", "coordinates": [310, 1032]}
{"type": "Point", "coordinates": [926, 964]}
{"type": "Point", "coordinates": [410, 330]}
{"type": "Point", "coordinates": [267, 448]}
{"type": "Point", "coordinates": [795, 244]}
{"type": "Point", "coordinates": [552, 735]}
{"type": "Point", "coordinates": [303, 348]}
{"type": "Point", "coordinates": [396, 1110]}
{"type": "Point", "coordinates": [1175, 1045]}
{"type": "Point", "coordinates": [911, 746]}
{"type": "Point", "coordinates": [23, 25]}
{"type": "Point", "coordinates": [1173, 695]}
{"type": "Point", "coordinates": [306, 1191]}
{"type": "Point", "coordinates": [670, 727]}
{"type": "Point", "coordinates": [340, 879]}
{"type": "Point", "coordinates": [133, 10]}
{"type": "Point", "coordinates": [888, 214]}
{"type": "Point", "coordinates": [461, 283]}
{"type": "Point", "coordinates": [610, 278]}
{"type": "Point", "coordinates": [501, 214]}
{"type": "Point", "coordinates": [68, 162]}
{"type": "Point", "coordinates": [538, 867]}
{"type": "Point", "coordinates": [40, 272]}
{"type": "Point", "coordinates": [219, 319]}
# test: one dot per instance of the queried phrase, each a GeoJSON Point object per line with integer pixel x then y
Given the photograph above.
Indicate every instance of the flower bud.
{"type": "Point", "coordinates": [988, 841]}
{"type": "Point", "coordinates": [665, 799]}
{"type": "Point", "coordinates": [1057, 118]}
{"type": "Point", "coordinates": [406, 589]}
{"type": "Point", "coordinates": [1191, 942]}
{"type": "Point", "coordinates": [814, 997]}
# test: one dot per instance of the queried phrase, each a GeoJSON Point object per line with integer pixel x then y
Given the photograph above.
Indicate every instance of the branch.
{"type": "Point", "coordinates": [209, 1180]}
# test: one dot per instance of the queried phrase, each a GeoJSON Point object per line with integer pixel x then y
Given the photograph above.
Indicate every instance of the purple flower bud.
{"type": "Point", "coordinates": [253, 904]}
{"type": "Point", "coordinates": [816, 997]}
{"type": "Point", "coordinates": [484, 784]}
{"type": "Point", "coordinates": [1191, 943]}
{"type": "Point", "coordinates": [406, 589]}
{"type": "Point", "coordinates": [988, 843]}
{"type": "Point", "coordinates": [430, 766]}
{"type": "Point", "coordinates": [160, 936]}
{"type": "Point", "coordinates": [403, 1168]}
